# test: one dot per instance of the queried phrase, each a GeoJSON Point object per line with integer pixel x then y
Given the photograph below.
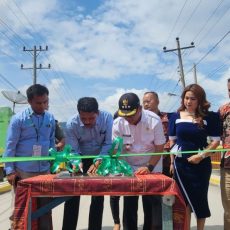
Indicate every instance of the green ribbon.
{"type": "Point", "coordinates": [111, 164]}
{"type": "Point", "coordinates": [63, 157]}
{"type": "Point", "coordinates": [74, 157]}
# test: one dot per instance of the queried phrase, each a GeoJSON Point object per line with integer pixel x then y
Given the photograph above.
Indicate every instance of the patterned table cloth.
{"type": "Point", "coordinates": [48, 185]}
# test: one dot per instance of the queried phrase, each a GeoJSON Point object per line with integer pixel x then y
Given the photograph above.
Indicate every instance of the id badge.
{"type": "Point", "coordinates": [37, 150]}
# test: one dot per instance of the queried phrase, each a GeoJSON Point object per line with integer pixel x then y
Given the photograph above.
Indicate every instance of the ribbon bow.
{"type": "Point", "coordinates": [63, 157]}
{"type": "Point", "coordinates": [113, 165]}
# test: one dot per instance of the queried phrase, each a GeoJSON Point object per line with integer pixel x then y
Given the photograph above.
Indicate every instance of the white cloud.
{"type": "Point", "coordinates": [119, 39]}
{"type": "Point", "coordinates": [114, 41]}
{"type": "Point", "coordinates": [111, 102]}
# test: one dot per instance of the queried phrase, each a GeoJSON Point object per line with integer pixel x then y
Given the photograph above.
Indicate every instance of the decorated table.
{"type": "Point", "coordinates": [173, 207]}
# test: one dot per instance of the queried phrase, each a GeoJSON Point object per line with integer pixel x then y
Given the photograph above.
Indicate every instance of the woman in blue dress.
{"type": "Point", "coordinates": [194, 128]}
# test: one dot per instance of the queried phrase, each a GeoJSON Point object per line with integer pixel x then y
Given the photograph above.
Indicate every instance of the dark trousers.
{"type": "Point", "coordinates": [71, 209]}
{"type": "Point", "coordinates": [114, 205]}
{"type": "Point", "coordinates": [152, 212]}
{"type": "Point", "coordinates": [166, 165]}
{"type": "Point", "coordinates": [130, 213]}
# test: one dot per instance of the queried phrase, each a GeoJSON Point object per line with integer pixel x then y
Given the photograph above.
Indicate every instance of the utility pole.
{"type": "Point", "coordinates": [35, 52]}
{"type": "Point", "coordinates": [178, 49]}
{"type": "Point", "coordinates": [194, 73]}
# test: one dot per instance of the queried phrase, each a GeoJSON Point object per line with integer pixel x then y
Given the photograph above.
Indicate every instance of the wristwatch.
{"type": "Point", "coordinates": [150, 167]}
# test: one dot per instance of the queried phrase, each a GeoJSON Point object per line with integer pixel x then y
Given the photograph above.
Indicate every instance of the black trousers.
{"type": "Point", "coordinates": [71, 209]}
{"type": "Point", "coordinates": [166, 165]}
{"type": "Point", "coordinates": [114, 205]}
{"type": "Point", "coordinates": [152, 213]}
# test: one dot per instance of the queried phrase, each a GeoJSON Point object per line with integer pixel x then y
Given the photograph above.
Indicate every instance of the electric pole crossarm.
{"type": "Point", "coordinates": [22, 67]}
{"type": "Point", "coordinates": [39, 67]}
{"type": "Point", "coordinates": [183, 48]}
{"type": "Point", "coordinates": [178, 49]}
{"type": "Point", "coordinates": [35, 55]}
{"type": "Point", "coordinates": [35, 48]}
{"type": "Point", "coordinates": [187, 47]}
{"type": "Point", "coordinates": [165, 51]}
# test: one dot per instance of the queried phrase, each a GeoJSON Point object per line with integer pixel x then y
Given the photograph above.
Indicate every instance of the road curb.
{"type": "Point", "coordinates": [4, 187]}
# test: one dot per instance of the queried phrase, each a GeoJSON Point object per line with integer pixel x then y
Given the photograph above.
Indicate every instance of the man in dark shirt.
{"type": "Point", "coordinates": [154, 218]}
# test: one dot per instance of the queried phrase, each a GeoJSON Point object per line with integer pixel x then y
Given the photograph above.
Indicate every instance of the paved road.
{"type": "Point", "coordinates": [215, 222]}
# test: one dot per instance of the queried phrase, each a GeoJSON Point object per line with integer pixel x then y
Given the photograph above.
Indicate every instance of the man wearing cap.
{"type": "Point", "coordinates": [142, 132]}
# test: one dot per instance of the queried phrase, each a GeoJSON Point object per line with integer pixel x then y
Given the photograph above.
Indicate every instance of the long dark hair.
{"type": "Point", "coordinates": [203, 104]}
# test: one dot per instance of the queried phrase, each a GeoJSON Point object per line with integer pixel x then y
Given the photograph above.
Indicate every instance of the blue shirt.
{"type": "Point", "coordinates": [90, 141]}
{"type": "Point", "coordinates": [26, 130]}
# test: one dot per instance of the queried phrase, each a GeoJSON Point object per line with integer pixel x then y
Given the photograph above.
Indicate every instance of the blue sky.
{"type": "Point", "coordinates": [105, 48]}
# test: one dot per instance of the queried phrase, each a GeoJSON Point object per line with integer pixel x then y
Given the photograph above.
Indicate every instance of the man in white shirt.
{"type": "Point", "coordinates": [142, 132]}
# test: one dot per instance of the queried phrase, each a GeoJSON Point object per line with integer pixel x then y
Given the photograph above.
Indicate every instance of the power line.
{"type": "Point", "coordinates": [66, 86]}
{"type": "Point", "coordinates": [217, 69]}
{"type": "Point", "coordinates": [4, 53]}
{"type": "Point", "coordinates": [176, 21]}
{"type": "Point", "coordinates": [213, 26]}
{"type": "Point", "coordinates": [10, 39]}
{"type": "Point", "coordinates": [8, 82]}
{"type": "Point", "coordinates": [60, 76]}
{"type": "Point", "coordinates": [202, 58]}
{"type": "Point", "coordinates": [13, 12]}
{"type": "Point", "coordinates": [160, 85]}
{"type": "Point", "coordinates": [172, 93]}
{"type": "Point", "coordinates": [208, 19]}
{"type": "Point", "coordinates": [65, 95]}
{"type": "Point", "coordinates": [191, 15]}
{"type": "Point", "coordinates": [16, 35]}
{"type": "Point", "coordinates": [29, 22]}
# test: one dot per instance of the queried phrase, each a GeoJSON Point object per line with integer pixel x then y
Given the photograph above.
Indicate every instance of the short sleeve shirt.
{"type": "Point", "coordinates": [225, 119]}
{"type": "Point", "coordinates": [140, 138]}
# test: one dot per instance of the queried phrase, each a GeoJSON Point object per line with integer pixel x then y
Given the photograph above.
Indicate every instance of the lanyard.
{"type": "Point", "coordinates": [37, 129]}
